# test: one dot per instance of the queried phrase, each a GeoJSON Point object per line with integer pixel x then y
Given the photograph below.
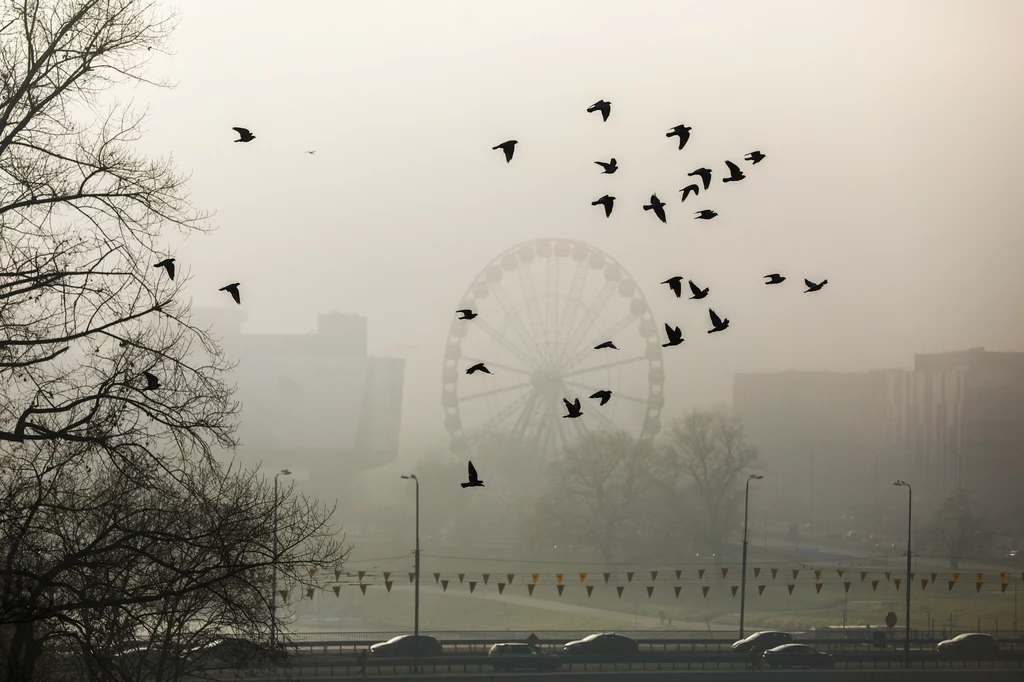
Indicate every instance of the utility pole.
{"type": "Point", "coordinates": [416, 607]}
{"type": "Point", "coordinates": [273, 580]}
{"type": "Point", "coordinates": [910, 520]}
{"type": "Point", "coordinates": [743, 572]}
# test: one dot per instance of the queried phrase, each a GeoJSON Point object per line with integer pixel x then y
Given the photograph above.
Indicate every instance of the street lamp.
{"type": "Point", "coordinates": [743, 571]}
{"type": "Point", "coordinates": [910, 517]}
{"type": "Point", "coordinates": [416, 608]}
{"type": "Point", "coordinates": [273, 584]}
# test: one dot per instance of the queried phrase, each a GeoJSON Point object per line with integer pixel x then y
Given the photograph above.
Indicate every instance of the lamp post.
{"type": "Point", "coordinates": [743, 572]}
{"type": "Point", "coordinates": [910, 517]}
{"type": "Point", "coordinates": [273, 582]}
{"type": "Point", "coordinates": [416, 608]}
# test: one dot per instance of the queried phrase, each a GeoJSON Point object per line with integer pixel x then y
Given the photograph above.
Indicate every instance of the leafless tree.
{"type": "Point", "coordinates": [958, 531]}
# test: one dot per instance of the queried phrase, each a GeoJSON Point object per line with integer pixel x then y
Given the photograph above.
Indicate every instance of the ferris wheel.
{"type": "Point", "coordinates": [542, 307]}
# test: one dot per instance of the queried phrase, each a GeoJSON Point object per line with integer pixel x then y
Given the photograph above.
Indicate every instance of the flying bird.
{"type": "Point", "coordinates": [608, 203]}
{"type": "Point", "coordinates": [609, 167]}
{"type": "Point", "coordinates": [754, 157]}
{"type": "Point", "coordinates": [574, 409]}
{"type": "Point", "coordinates": [698, 293]}
{"type": "Point", "coordinates": [675, 336]}
{"type": "Point", "coordinates": [735, 174]}
{"type": "Point", "coordinates": [695, 189]}
{"type": "Point", "coordinates": [152, 383]}
{"type": "Point", "coordinates": [233, 290]}
{"type": "Point", "coordinates": [705, 176]}
{"type": "Point", "coordinates": [509, 148]}
{"type": "Point", "coordinates": [606, 344]}
{"type": "Point", "coordinates": [466, 314]}
{"type": "Point", "coordinates": [676, 284]}
{"type": "Point", "coordinates": [603, 396]}
{"type": "Point", "coordinates": [718, 323]}
{"type": "Point", "coordinates": [478, 367]}
{"type": "Point", "coordinates": [311, 151]}
{"type": "Point", "coordinates": [706, 214]}
{"type": "Point", "coordinates": [683, 132]}
{"type": "Point", "coordinates": [600, 105]}
{"type": "Point", "coordinates": [168, 265]}
{"type": "Point", "coordinates": [811, 286]}
{"type": "Point", "coordinates": [474, 479]}
{"type": "Point", "coordinates": [243, 134]}
{"type": "Point", "coordinates": [658, 206]}
{"type": "Point", "coordinates": [775, 278]}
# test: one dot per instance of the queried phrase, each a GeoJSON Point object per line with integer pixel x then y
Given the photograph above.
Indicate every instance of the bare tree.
{"type": "Point", "coordinates": [709, 448]}
{"type": "Point", "coordinates": [595, 488]}
{"type": "Point", "coordinates": [958, 532]}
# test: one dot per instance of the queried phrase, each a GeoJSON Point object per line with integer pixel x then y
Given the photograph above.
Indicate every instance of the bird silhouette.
{"type": "Point", "coordinates": [466, 314]}
{"type": "Point", "coordinates": [675, 336]}
{"type": "Point", "coordinates": [311, 151]}
{"type": "Point", "coordinates": [606, 344]}
{"type": "Point", "coordinates": [509, 148]}
{"type": "Point", "coordinates": [698, 293]}
{"type": "Point", "coordinates": [695, 189]}
{"type": "Point", "coordinates": [658, 206]}
{"type": "Point", "coordinates": [676, 284]}
{"type": "Point", "coordinates": [718, 323]}
{"type": "Point", "coordinates": [706, 214]}
{"type": "Point", "coordinates": [705, 176]}
{"type": "Point", "coordinates": [168, 265]}
{"type": "Point", "coordinates": [609, 167]}
{"type": "Point", "coordinates": [775, 278]}
{"type": "Point", "coordinates": [754, 157]}
{"type": "Point", "coordinates": [811, 286]}
{"type": "Point", "coordinates": [600, 105]}
{"type": "Point", "coordinates": [243, 134]}
{"type": "Point", "coordinates": [608, 203]}
{"type": "Point", "coordinates": [735, 174]}
{"type": "Point", "coordinates": [152, 383]}
{"type": "Point", "coordinates": [573, 408]}
{"type": "Point", "coordinates": [474, 479]}
{"type": "Point", "coordinates": [233, 290]}
{"type": "Point", "coordinates": [683, 132]}
{"type": "Point", "coordinates": [478, 367]}
{"type": "Point", "coordinates": [603, 396]}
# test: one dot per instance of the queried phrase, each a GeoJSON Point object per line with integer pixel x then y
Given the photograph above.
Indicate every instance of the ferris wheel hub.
{"type": "Point", "coordinates": [547, 380]}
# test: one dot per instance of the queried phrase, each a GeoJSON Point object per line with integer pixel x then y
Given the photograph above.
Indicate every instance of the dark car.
{"type": "Point", "coordinates": [602, 644]}
{"type": "Point", "coordinates": [513, 655]}
{"type": "Point", "coordinates": [969, 643]}
{"type": "Point", "coordinates": [232, 652]}
{"type": "Point", "coordinates": [797, 656]}
{"type": "Point", "coordinates": [762, 640]}
{"type": "Point", "coordinates": [406, 645]}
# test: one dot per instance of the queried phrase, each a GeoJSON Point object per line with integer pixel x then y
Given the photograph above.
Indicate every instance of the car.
{"type": "Point", "coordinates": [969, 642]}
{"type": "Point", "coordinates": [797, 656]}
{"type": "Point", "coordinates": [602, 644]}
{"type": "Point", "coordinates": [231, 652]}
{"type": "Point", "coordinates": [762, 640]}
{"type": "Point", "coordinates": [512, 655]}
{"type": "Point", "coordinates": [407, 645]}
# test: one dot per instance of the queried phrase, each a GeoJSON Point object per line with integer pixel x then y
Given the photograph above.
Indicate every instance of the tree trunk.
{"type": "Point", "coordinates": [23, 653]}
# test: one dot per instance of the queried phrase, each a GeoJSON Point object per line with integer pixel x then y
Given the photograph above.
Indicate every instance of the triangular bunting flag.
{"type": "Point", "coordinates": [472, 586]}
{"type": "Point", "coordinates": [760, 590]}
{"type": "Point", "coordinates": [559, 576]}
{"type": "Point", "coordinates": [896, 582]}
{"type": "Point", "coordinates": [863, 574]}
{"type": "Point", "coordinates": [977, 587]}
{"type": "Point", "coordinates": [650, 591]}
{"type": "Point", "coordinates": [388, 584]}
{"type": "Point", "coordinates": [817, 575]}
{"type": "Point", "coordinates": [1002, 588]}
{"type": "Point", "coordinates": [590, 590]}
{"type": "Point", "coordinates": [679, 574]}
{"type": "Point", "coordinates": [486, 576]}
{"type": "Point", "coordinates": [362, 587]}
{"type": "Point", "coordinates": [529, 588]}
{"type": "Point", "coordinates": [790, 587]}
{"type": "Point", "coordinates": [956, 576]}
{"type": "Point", "coordinates": [846, 585]}
{"type": "Point", "coordinates": [677, 590]}
{"type": "Point", "coordinates": [461, 576]}
{"type": "Point", "coordinates": [629, 576]}
{"type": "Point", "coordinates": [1002, 577]}
{"type": "Point", "coordinates": [817, 587]}
{"type": "Point", "coordinates": [284, 594]}
{"type": "Point", "coordinates": [583, 577]}
{"type": "Point", "coordinates": [734, 588]}
{"type": "Point", "coordinates": [775, 572]}
{"type": "Point", "coordinates": [312, 572]}
{"type": "Point", "coordinates": [560, 588]}
{"type": "Point", "coordinates": [619, 589]}
{"type": "Point", "coordinates": [924, 583]}
{"type": "Point", "coordinates": [704, 589]}
{"type": "Point", "coordinates": [874, 585]}
{"type": "Point", "coordinates": [725, 571]}
{"type": "Point", "coordinates": [337, 574]}
{"type": "Point", "coordinates": [840, 571]}
{"type": "Point", "coordinates": [437, 578]}
{"type": "Point", "coordinates": [501, 587]}
{"type": "Point", "coordinates": [444, 585]}
{"type": "Point", "coordinates": [796, 572]}
{"type": "Point", "coordinates": [412, 576]}
{"type": "Point", "coordinates": [654, 576]}
{"type": "Point", "coordinates": [606, 576]}
{"type": "Point", "coordinates": [700, 573]}
{"type": "Point", "coordinates": [387, 576]}
{"type": "Point", "coordinates": [980, 577]}
{"type": "Point", "coordinates": [888, 575]}
{"type": "Point", "coordinates": [935, 577]}
{"type": "Point", "coordinates": [951, 583]}
{"type": "Point", "coordinates": [361, 574]}
{"type": "Point", "coordinates": [510, 576]}
{"type": "Point", "coordinates": [535, 576]}
{"type": "Point", "coordinates": [757, 571]}
{"type": "Point", "coordinates": [337, 590]}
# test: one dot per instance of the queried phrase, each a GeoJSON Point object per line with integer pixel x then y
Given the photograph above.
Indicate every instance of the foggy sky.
{"type": "Point", "coordinates": [891, 131]}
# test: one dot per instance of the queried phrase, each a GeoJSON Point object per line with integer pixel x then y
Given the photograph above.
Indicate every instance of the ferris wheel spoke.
{"type": "Point", "coordinates": [484, 394]}
{"type": "Point", "coordinates": [591, 313]}
{"type": "Point", "coordinates": [524, 417]}
{"type": "Point", "coordinates": [496, 365]}
{"type": "Point", "coordinates": [551, 311]}
{"type": "Point", "coordinates": [607, 365]}
{"type": "Point", "coordinates": [530, 301]}
{"type": "Point", "coordinates": [572, 303]}
{"type": "Point", "coordinates": [605, 335]}
{"type": "Point", "coordinates": [608, 422]}
{"type": "Point", "coordinates": [500, 417]}
{"type": "Point", "coordinates": [528, 338]}
{"type": "Point", "coordinates": [617, 394]}
{"type": "Point", "coordinates": [502, 340]}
